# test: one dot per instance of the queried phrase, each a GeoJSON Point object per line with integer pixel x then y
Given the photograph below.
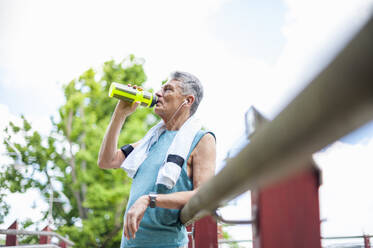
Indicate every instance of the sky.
{"type": "Point", "coordinates": [246, 53]}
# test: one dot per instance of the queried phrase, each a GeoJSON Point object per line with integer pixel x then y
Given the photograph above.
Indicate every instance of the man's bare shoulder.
{"type": "Point", "coordinates": [207, 142]}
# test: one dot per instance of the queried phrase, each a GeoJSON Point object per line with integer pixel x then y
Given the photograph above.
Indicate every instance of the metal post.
{"type": "Point", "coordinates": [366, 241]}
{"type": "Point", "coordinates": [287, 212]}
{"type": "Point", "coordinates": [206, 233]}
{"type": "Point", "coordinates": [190, 230]}
{"type": "Point", "coordinates": [62, 244]}
{"type": "Point", "coordinates": [12, 239]}
{"type": "Point", "coordinates": [45, 239]}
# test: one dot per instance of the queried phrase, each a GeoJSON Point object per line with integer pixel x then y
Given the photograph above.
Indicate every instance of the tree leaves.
{"type": "Point", "coordinates": [90, 201]}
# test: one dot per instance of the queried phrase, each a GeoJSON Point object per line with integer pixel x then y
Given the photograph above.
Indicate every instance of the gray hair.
{"type": "Point", "coordinates": [190, 85]}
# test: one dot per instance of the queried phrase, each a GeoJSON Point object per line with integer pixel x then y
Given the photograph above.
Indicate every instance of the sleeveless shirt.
{"type": "Point", "coordinates": [159, 227]}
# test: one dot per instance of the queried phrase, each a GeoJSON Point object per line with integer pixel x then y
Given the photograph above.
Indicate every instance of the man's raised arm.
{"type": "Point", "coordinates": [110, 156]}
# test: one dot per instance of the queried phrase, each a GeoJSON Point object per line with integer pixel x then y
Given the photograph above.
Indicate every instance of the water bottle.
{"type": "Point", "coordinates": [129, 94]}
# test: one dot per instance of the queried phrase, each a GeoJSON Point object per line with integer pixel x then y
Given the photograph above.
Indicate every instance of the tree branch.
{"type": "Point", "coordinates": [84, 163]}
{"type": "Point", "coordinates": [117, 222]}
{"type": "Point", "coordinates": [73, 168]}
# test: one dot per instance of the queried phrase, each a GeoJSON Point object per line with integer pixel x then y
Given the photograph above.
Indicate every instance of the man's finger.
{"type": "Point", "coordinates": [138, 224]}
{"type": "Point", "coordinates": [135, 103]}
{"type": "Point", "coordinates": [133, 228]}
{"type": "Point", "coordinates": [126, 230]}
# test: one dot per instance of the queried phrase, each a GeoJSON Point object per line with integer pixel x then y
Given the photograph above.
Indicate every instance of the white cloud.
{"type": "Point", "coordinates": [45, 47]}
{"type": "Point", "coordinates": [46, 43]}
{"type": "Point", "coordinates": [42, 125]}
{"type": "Point", "coordinates": [21, 204]}
{"type": "Point", "coordinates": [25, 206]}
{"type": "Point", "coordinates": [62, 41]}
{"type": "Point", "coordinates": [58, 44]}
{"type": "Point", "coordinates": [6, 117]}
{"type": "Point", "coordinates": [315, 32]}
{"type": "Point", "coordinates": [345, 194]}
{"type": "Point", "coordinates": [345, 201]}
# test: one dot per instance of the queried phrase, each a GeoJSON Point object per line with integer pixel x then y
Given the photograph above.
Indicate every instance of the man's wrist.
{"type": "Point", "coordinates": [152, 199]}
{"type": "Point", "coordinates": [146, 199]}
{"type": "Point", "coordinates": [121, 113]}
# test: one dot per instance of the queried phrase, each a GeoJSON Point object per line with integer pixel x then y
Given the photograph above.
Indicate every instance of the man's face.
{"type": "Point", "coordinates": [169, 98]}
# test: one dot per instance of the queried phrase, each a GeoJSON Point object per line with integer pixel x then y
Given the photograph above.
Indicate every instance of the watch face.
{"type": "Point", "coordinates": [152, 197]}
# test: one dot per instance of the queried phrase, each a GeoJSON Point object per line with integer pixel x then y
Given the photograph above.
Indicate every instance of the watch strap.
{"type": "Point", "coordinates": [153, 199]}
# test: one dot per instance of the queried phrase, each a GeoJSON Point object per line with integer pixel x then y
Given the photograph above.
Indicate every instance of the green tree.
{"type": "Point", "coordinates": [91, 201]}
{"type": "Point", "coordinates": [227, 236]}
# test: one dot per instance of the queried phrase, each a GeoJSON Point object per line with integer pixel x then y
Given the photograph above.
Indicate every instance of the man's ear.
{"type": "Point", "coordinates": [190, 100]}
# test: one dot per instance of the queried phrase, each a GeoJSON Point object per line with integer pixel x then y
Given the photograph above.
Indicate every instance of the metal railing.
{"type": "Point", "coordinates": [235, 241]}
{"type": "Point", "coordinates": [348, 237]}
{"type": "Point", "coordinates": [336, 102]}
{"type": "Point", "coordinates": [38, 233]}
{"type": "Point", "coordinates": [219, 217]}
{"type": "Point", "coordinates": [365, 243]}
{"type": "Point", "coordinates": [32, 246]}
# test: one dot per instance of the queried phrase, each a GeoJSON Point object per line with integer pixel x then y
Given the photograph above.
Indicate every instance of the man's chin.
{"type": "Point", "coordinates": [156, 110]}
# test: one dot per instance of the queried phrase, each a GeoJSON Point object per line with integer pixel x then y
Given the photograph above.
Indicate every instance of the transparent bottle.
{"type": "Point", "coordinates": [129, 94]}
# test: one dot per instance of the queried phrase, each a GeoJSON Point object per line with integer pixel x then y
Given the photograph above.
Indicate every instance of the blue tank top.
{"type": "Point", "coordinates": [159, 227]}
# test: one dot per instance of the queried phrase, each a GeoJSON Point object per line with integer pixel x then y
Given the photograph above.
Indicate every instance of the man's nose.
{"type": "Point", "coordinates": [158, 93]}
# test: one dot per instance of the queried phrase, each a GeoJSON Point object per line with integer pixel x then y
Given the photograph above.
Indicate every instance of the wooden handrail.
{"type": "Point", "coordinates": [336, 102]}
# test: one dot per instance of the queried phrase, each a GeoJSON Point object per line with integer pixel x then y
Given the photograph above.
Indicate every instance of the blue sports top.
{"type": "Point", "coordinates": [159, 226]}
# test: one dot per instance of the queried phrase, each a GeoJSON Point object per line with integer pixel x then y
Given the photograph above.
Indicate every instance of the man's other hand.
{"type": "Point", "coordinates": [134, 216]}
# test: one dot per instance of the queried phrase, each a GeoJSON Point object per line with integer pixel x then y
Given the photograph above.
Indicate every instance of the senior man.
{"type": "Point", "coordinates": [168, 165]}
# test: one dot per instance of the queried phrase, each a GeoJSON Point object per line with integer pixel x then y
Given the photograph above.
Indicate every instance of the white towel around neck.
{"type": "Point", "coordinates": [169, 172]}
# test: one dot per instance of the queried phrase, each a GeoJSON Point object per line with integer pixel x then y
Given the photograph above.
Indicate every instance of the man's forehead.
{"type": "Point", "coordinates": [172, 82]}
